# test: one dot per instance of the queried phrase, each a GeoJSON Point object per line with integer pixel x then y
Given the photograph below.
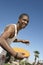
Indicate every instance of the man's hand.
{"type": "Point", "coordinates": [20, 56]}
{"type": "Point", "coordinates": [25, 41]}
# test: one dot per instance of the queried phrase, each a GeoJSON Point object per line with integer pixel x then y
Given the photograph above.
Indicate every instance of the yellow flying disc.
{"type": "Point", "coordinates": [22, 50]}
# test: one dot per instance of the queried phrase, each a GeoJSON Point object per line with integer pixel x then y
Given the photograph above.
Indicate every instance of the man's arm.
{"type": "Point", "coordinates": [3, 40]}
{"type": "Point", "coordinates": [23, 41]}
{"type": "Point", "coordinates": [4, 44]}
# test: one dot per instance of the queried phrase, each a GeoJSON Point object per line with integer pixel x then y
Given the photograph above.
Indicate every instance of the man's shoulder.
{"type": "Point", "coordinates": [10, 25]}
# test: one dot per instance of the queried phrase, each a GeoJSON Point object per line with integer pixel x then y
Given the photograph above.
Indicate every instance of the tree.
{"type": "Point", "coordinates": [36, 54]}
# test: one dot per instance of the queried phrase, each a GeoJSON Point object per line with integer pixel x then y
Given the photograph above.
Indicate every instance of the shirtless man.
{"type": "Point", "coordinates": [9, 35]}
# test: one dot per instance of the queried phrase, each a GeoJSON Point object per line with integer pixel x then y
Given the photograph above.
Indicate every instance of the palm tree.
{"type": "Point", "coordinates": [36, 54]}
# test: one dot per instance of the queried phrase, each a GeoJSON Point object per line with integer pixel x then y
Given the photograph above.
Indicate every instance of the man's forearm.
{"type": "Point", "coordinates": [23, 41]}
{"type": "Point", "coordinates": [17, 40]}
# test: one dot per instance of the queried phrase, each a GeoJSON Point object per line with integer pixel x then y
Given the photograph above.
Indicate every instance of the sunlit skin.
{"type": "Point", "coordinates": [9, 32]}
{"type": "Point", "coordinates": [23, 22]}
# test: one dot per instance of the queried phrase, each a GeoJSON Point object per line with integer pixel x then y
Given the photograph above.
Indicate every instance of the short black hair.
{"type": "Point", "coordinates": [23, 14]}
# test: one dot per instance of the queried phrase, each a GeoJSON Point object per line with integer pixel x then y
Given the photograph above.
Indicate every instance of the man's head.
{"type": "Point", "coordinates": [23, 20]}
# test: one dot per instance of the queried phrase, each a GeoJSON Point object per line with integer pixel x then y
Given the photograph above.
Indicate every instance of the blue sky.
{"type": "Point", "coordinates": [9, 13]}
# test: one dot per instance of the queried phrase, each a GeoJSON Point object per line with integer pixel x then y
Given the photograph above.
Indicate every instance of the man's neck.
{"type": "Point", "coordinates": [18, 27]}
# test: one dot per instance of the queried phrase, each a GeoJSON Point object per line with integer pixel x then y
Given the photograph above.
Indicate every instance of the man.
{"type": "Point", "coordinates": [9, 35]}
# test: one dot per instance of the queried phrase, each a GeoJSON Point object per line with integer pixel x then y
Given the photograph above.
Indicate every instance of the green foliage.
{"type": "Point", "coordinates": [7, 64]}
{"type": "Point", "coordinates": [24, 63]}
{"type": "Point", "coordinates": [37, 52]}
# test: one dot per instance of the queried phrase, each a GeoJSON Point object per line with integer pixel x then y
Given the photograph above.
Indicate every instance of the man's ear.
{"type": "Point", "coordinates": [19, 20]}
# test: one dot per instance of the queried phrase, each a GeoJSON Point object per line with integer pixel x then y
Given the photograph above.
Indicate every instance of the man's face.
{"type": "Point", "coordinates": [23, 21]}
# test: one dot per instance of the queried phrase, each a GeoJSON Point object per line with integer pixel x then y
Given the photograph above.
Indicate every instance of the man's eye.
{"type": "Point", "coordinates": [24, 19]}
